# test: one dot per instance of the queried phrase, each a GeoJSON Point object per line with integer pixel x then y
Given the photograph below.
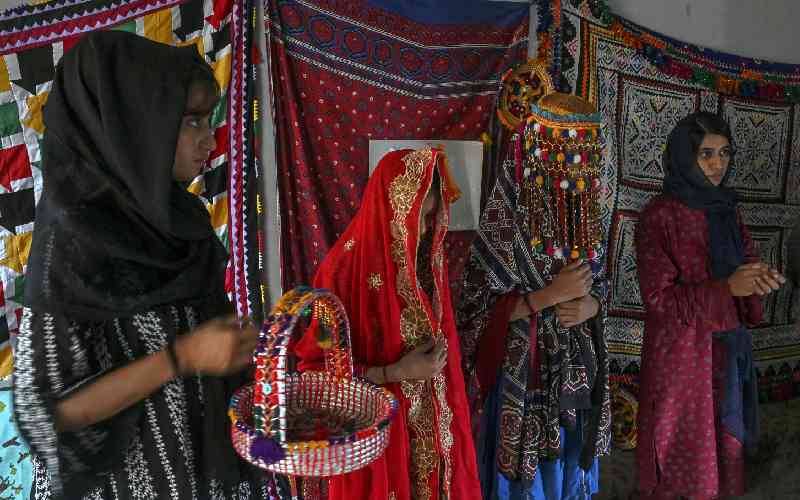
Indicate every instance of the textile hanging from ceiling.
{"type": "Point", "coordinates": [345, 73]}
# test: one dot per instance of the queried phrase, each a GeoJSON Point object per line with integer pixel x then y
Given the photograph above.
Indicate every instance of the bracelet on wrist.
{"type": "Point", "coordinates": [172, 355]}
{"type": "Point", "coordinates": [530, 306]}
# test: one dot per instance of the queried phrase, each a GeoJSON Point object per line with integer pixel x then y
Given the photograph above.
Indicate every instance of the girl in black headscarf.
{"type": "Point", "coordinates": [126, 357]}
{"type": "Point", "coordinates": [701, 283]}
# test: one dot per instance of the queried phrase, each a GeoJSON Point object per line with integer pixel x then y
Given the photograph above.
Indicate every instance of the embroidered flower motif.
{"type": "Point", "coordinates": [374, 281]}
{"type": "Point", "coordinates": [349, 245]}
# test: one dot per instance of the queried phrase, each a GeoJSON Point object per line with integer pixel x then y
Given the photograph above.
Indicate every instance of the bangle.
{"type": "Point", "coordinates": [173, 358]}
{"type": "Point", "coordinates": [528, 302]}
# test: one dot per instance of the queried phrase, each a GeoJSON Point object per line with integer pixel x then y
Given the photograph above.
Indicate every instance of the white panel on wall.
{"type": "Point", "coordinates": [10, 4]}
{"type": "Point", "coordinates": [465, 159]}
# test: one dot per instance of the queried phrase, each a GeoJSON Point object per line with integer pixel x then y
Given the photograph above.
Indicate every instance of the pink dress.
{"type": "Point", "coordinates": [683, 450]}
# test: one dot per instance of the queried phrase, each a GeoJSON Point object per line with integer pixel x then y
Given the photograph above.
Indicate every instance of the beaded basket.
{"type": "Point", "coordinates": [315, 423]}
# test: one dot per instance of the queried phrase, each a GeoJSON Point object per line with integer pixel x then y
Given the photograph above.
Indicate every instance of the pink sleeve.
{"type": "Point", "coordinates": [666, 299]}
{"type": "Point", "coordinates": [751, 308]}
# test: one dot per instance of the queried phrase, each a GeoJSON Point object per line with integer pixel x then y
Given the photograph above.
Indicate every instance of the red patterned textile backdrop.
{"type": "Point", "coordinates": [344, 73]}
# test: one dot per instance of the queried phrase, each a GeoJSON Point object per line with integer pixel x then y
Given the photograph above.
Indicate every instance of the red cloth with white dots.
{"type": "Point", "coordinates": [682, 451]}
{"type": "Point", "coordinates": [346, 73]}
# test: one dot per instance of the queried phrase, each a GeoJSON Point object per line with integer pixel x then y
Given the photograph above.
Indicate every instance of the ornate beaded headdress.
{"type": "Point", "coordinates": [562, 153]}
{"type": "Point", "coordinates": [522, 86]}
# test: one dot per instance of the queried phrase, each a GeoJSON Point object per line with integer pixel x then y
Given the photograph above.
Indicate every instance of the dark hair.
{"type": "Point", "coordinates": [436, 182]}
{"type": "Point", "coordinates": [201, 75]}
{"type": "Point", "coordinates": [703, 123]}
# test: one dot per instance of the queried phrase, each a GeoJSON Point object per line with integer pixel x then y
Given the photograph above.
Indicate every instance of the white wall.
{"type": "Point", "coordinates": [7, 4]}
{"type": "Point", "coordinates": [763, 29]}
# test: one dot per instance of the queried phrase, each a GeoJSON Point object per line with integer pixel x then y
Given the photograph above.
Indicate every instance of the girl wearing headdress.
{"type": "Point", "coordinates": [532, 309]}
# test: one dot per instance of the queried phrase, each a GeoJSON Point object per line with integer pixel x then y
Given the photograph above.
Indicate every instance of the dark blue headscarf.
{"type": "Point", "coordinates": [684, 180]}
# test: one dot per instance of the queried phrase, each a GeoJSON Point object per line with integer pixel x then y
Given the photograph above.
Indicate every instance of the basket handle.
{"type": "Point", "coordinates": [332, 328]}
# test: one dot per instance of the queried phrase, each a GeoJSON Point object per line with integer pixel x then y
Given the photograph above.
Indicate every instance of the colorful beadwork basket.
{"type": "Point", "coordinates": [315, 423]}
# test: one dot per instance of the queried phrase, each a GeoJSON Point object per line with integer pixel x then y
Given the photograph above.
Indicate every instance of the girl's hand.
{"type": "Point", "coordinates": [577, 311]}
{"type": "Point", "coordinates": [572, 282]}
{"type": "Point", "coordinates": [217, 347]}
{"type": "Point", "coordinates": [423, 363]}
{"type": "Point", "coordinates": [754, 279]}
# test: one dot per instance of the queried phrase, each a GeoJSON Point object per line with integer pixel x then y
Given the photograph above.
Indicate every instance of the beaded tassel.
{"type": "Point", "coordinates": [560, 190]}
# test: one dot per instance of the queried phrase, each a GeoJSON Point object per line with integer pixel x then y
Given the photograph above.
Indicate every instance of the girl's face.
{"type": "Point", "coordinates": [196, 137]}
{"type": "Point", "coordinates": [714, 156]}
{"type": "Point", "coordinates": [428, 211]}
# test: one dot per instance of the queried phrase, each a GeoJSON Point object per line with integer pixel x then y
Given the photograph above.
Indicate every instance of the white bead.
{"type": "Point", "coordinates": [564, 184]}
{"type": "Point", "coordinates": [573, 133]}
{"type": "Point", "coordinates": [537, 152]}
{"type": "Point", "coordinates": [576, 159]}
{"type": "Point", "coordinates": [558, 253]}
{"type": "Point", "coordinates": [526, 172]}
{"type": "Point", "coordinates": [536, 127]}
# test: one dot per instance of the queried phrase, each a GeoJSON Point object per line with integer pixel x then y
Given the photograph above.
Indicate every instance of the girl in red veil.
{"type": "Point", "coordinates": [390, 272]}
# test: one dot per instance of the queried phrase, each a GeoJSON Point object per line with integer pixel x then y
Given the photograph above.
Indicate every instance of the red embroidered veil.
{"type": "Point", "coordinates": [373, 269]}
